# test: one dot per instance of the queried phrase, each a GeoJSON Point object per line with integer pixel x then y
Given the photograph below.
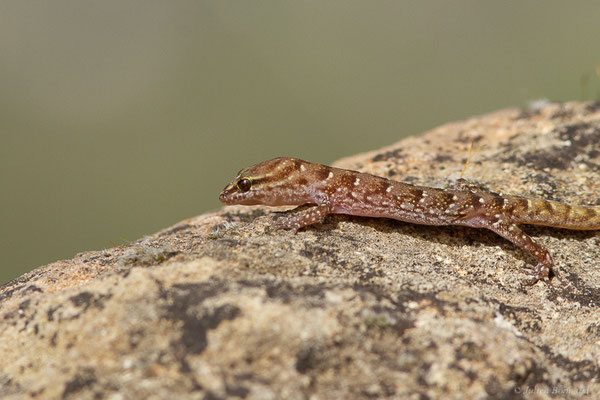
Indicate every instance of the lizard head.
{"type": "Point", "coordinates": [277, 182]}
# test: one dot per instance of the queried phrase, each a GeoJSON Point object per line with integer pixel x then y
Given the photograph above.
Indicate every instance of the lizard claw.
{"type": "Point", "coordinates": [282, 223]}
{"type": "Point", "coordinates": [541, 272]}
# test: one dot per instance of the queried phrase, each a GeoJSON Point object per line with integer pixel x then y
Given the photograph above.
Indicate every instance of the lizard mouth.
{"type": "Point", "coordinates": [225, 197]}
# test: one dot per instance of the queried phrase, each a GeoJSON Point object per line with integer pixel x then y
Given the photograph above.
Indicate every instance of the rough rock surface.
{"type": "Point", "coordinates": [218, 306]}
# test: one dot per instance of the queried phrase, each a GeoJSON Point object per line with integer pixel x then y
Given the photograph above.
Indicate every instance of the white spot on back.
{"type": "Point", "coordinates": [357, 182]}
{"type": "Point", "coordinates": [330, 176]}
{"type": "Point", "coordinates": [302, 168]}
{"type": "Point", "coordinates": [389, 189]}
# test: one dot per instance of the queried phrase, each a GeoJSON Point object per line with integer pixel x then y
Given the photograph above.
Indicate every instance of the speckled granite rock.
{"type": "Point", "coordinates": [218, 306]}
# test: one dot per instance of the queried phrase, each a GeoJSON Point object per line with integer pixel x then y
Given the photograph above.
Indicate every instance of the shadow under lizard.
{"type": "Point", "coordinates": [290, 181]}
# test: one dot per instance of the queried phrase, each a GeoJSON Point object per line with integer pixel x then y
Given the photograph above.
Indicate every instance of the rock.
{"type": "Point", "coordinates": [219, 306]}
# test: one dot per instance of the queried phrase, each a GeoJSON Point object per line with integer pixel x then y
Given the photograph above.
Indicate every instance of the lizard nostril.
{"type": "Point", "coordinates": [223, 194]}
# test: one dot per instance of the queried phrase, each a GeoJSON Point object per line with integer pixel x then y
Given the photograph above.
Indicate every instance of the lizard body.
{"type": "Point", "coordinates": [290, 181]}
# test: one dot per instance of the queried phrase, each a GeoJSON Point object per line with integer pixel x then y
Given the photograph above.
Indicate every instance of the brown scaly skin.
{"type": "Point", "coordinates": [290, 181]}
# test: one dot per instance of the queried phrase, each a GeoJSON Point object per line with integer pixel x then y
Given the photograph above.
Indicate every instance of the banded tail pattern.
{"type": "Point", "coordinates": [552, 213]}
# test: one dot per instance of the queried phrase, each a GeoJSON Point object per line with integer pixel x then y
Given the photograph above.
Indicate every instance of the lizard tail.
{"type": "Point", "coordinates": [553, 213]}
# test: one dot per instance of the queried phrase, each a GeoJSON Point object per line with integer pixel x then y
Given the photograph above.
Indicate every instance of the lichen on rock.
{"type": "Point", "coordinates": [220, 306]}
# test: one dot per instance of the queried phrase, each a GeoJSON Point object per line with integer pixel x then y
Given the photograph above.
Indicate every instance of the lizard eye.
{"type": "Point", "coordinates": [244, 184]}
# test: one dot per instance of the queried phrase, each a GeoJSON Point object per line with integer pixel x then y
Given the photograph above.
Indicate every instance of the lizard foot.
{"type": "Point", "coordinates": [282, 223]}
{"type": "Point", "coordinates": [541, 272]}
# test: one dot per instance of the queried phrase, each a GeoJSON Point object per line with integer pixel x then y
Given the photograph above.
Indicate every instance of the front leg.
{"type": "Point", "coordinates": [302, 218]}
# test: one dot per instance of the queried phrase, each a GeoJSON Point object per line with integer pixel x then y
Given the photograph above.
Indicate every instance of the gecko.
{"type": "Point", "coordinates": [286, 181]}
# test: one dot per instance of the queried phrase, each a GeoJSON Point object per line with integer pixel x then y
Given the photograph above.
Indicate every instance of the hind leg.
{"type": "Point", "coordinates": [514, 234]}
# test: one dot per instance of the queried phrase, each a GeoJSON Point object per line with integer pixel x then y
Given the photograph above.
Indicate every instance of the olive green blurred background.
{"type": "Point", "coordinates": [119, 118]}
